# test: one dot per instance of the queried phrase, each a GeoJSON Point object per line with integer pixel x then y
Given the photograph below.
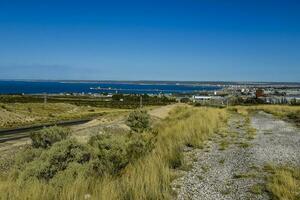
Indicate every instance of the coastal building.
{"type": "Point", "coordinates": [201, 98]}
{"type": "Point", "coordinates": [259, 93]}
{"type": "Point", "coordinates": [209, 99]}
{"type": "Point", "coordinates": [281, 99]}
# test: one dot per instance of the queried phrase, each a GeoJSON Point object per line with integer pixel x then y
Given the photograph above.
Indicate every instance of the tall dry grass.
{"type": "Point", "coordinates": [277, 110]}
{"type": "Point", "coordinates": [286, 112]}
{"type": "Point", "coordinates": [284, 183]}
{"type": "Point", "coordinates": [148, 178]}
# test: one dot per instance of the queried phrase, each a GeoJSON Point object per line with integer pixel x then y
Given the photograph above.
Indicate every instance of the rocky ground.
{"type": "Point", "coordinates": [231, 166]}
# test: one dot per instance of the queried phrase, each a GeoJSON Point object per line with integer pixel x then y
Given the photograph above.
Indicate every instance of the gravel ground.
{"type": "Point", "coordinates": [232, 170]}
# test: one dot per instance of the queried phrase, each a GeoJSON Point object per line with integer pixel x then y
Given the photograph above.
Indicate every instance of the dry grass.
{"type": "Point", "coordinates": [278, 110]}
{"type": "Point", "coordinates": [245, 112]}
{"type": "Point", "coordinates": [148, 178]}
{"type": "Point", "coordinates": [281, 111]}
{"type": "Point", "coordinates": [21, 114]}
{"type": "Point", "coordinates": [284, 183]}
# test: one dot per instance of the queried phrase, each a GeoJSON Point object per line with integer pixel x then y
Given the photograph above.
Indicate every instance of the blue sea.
{"type": "Point", "coordinates": [34, 87]}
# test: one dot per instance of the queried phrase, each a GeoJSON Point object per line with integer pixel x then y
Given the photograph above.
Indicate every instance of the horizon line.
{"type": "Point", "coordinates": [111, 80]}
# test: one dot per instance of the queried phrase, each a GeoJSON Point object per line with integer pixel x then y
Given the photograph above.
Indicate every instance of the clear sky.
{"type": "Point", "coordinates": [200, 40]}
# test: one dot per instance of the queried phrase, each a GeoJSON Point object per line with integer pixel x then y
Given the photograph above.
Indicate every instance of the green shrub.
{"type": "Point", "coordinates": [27, 156]}
{"type": "Point", "coordinates": [56, 159]}
{"type": "Point", "coordinates": [69, 175]}
{"type": "Point", "coordinates": [22, 159]}
{"type": "Point", "coordinates": [138, 120]}
{"type": "Point", "coordinates": [48, 136]}
{"type": "Point", "coordinates": [111, 154]}
{"type": "Point", "coordinates": [139, 145]}
{"type": "Point", "coordinates": [115, 152]}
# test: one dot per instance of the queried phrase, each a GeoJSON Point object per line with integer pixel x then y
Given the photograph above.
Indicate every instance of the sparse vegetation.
{"type": "Point", "coordinates": [23, 114]}
{"type": "Point", "coordinates": [226, 191]}
{"type": "Point", "coordinates": [221, 161]}
{"type": "Point", "coordinates": [122, 101]}
{"type": "Point", "coordinates": [257, 189]}
{"type": "Point", "coordinates": [224, 144]}
{"type": "Point", "coordinates": [205, 168]}
{"type": "Point", "coordinates": [286, 112]}
{"type": "Point", "coordinates": [245, 175]}
{"type": "Point", "coordinates": [120, 166]}
{"type": "Point", "coordinates": [243, 144]}
{"type": "Point", "coordinates": [246, 125]}
{"type": "Point", "coordinates": [284, 183]}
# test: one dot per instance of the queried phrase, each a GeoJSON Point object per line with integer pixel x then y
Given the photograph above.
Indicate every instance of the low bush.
{"type": "Point", "coordinates": [48, 136]}
{"type": "Point", "coordinates": [138, 120]}
{"type": "Point", "coordinates": [115, 152]}
{"type": "Point", "coordinates": [45, 165]}
{"type": "Point", "coordinates": [111, 154]}
{"type": "Point", "coordinates": [139, 145]}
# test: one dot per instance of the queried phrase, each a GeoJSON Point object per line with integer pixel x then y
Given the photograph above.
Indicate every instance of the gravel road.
{"type": "Point", "coordinates": [230, 167]}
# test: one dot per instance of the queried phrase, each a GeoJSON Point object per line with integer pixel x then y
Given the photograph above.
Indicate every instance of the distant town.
{"type": "Point", "coordinates": [232, 93]}
{"type": "Point", "coordinates": [217, 93]}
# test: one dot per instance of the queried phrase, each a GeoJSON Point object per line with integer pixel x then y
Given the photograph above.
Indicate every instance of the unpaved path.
{"type": "Point", "coordinates": [82, 132]}
{"type": "Point", "coordinates": [230, 167]}
{"type": "Point", "coordinates": [163, 111]}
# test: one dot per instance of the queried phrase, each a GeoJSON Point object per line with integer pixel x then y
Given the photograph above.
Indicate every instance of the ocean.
{"type": "Point", "coordinates": [51, 87]}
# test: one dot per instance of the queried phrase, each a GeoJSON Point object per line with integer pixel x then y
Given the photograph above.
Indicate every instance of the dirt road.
{"type": "Point", "coordinates": [163, 111]}
{"type": "Point", "coordinates": [230, 167]}
{"type": "Point", "coordinates": [83, 131]}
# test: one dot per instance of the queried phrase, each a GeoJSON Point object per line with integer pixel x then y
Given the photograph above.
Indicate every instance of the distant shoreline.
{"type": "Point", "coordinates": [152, 82]}
{"type": "Point", "coordinates": [56, 87]}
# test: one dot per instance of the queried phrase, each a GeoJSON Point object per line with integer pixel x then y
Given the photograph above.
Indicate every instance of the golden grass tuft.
{"type": "Point", "coordinates": [284, 183]}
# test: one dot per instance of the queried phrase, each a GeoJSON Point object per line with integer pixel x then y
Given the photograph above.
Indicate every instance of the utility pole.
{"type": "Point", "coordinates": [227, 102]}
{"type": "Point", "coordinates": [45, 98]}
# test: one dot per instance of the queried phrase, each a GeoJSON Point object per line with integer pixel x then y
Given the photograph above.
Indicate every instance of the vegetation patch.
{"type": "Point", "coordinates": [284, 183]}
{"type": "Point", "coordinates": [48, 136]}
{"type": "Point", "coordinates": [24, 114]}
{"type": "Point", "coordinates": [137, 165]}
{"type": "Point", "coordinates": [221, 161]}
{"type": "Point", "coordinates": [285, 112]}
{"type": "Point", "coordinates": [224, 144]}
{"type": "Point", "coordinates": [244, 144]}
{"type": "Point", "coordinates": [138, 120]}
{"type": "Point", "coordinates": [245, 175]}
{"type": "Point", "coordinates": [257, 189]}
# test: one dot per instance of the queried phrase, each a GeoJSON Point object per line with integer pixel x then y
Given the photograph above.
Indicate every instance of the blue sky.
{"type": "Point", "coordinates": [200, 40]}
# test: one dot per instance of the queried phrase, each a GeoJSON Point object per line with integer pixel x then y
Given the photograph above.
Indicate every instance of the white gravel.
{"type": "Point", "coordinates": [214, 172]}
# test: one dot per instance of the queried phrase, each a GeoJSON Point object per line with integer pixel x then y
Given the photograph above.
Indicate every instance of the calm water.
{"type": "Point", "coordinates": [18, 87]}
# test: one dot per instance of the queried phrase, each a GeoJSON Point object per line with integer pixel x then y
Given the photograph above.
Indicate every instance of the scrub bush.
{"type": "Point", "coordinates": [138, 120]}
{"type": "Point", "coordinates": [55, 159]}
{"type": "Point", "coordinates": [111, 154]}
{"type": "Point", "coordinates": [48, 136]}
{"type": "Point", "coordinates": [115, 152]}
{"type": "Point", "coordinates": [139, 145]}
